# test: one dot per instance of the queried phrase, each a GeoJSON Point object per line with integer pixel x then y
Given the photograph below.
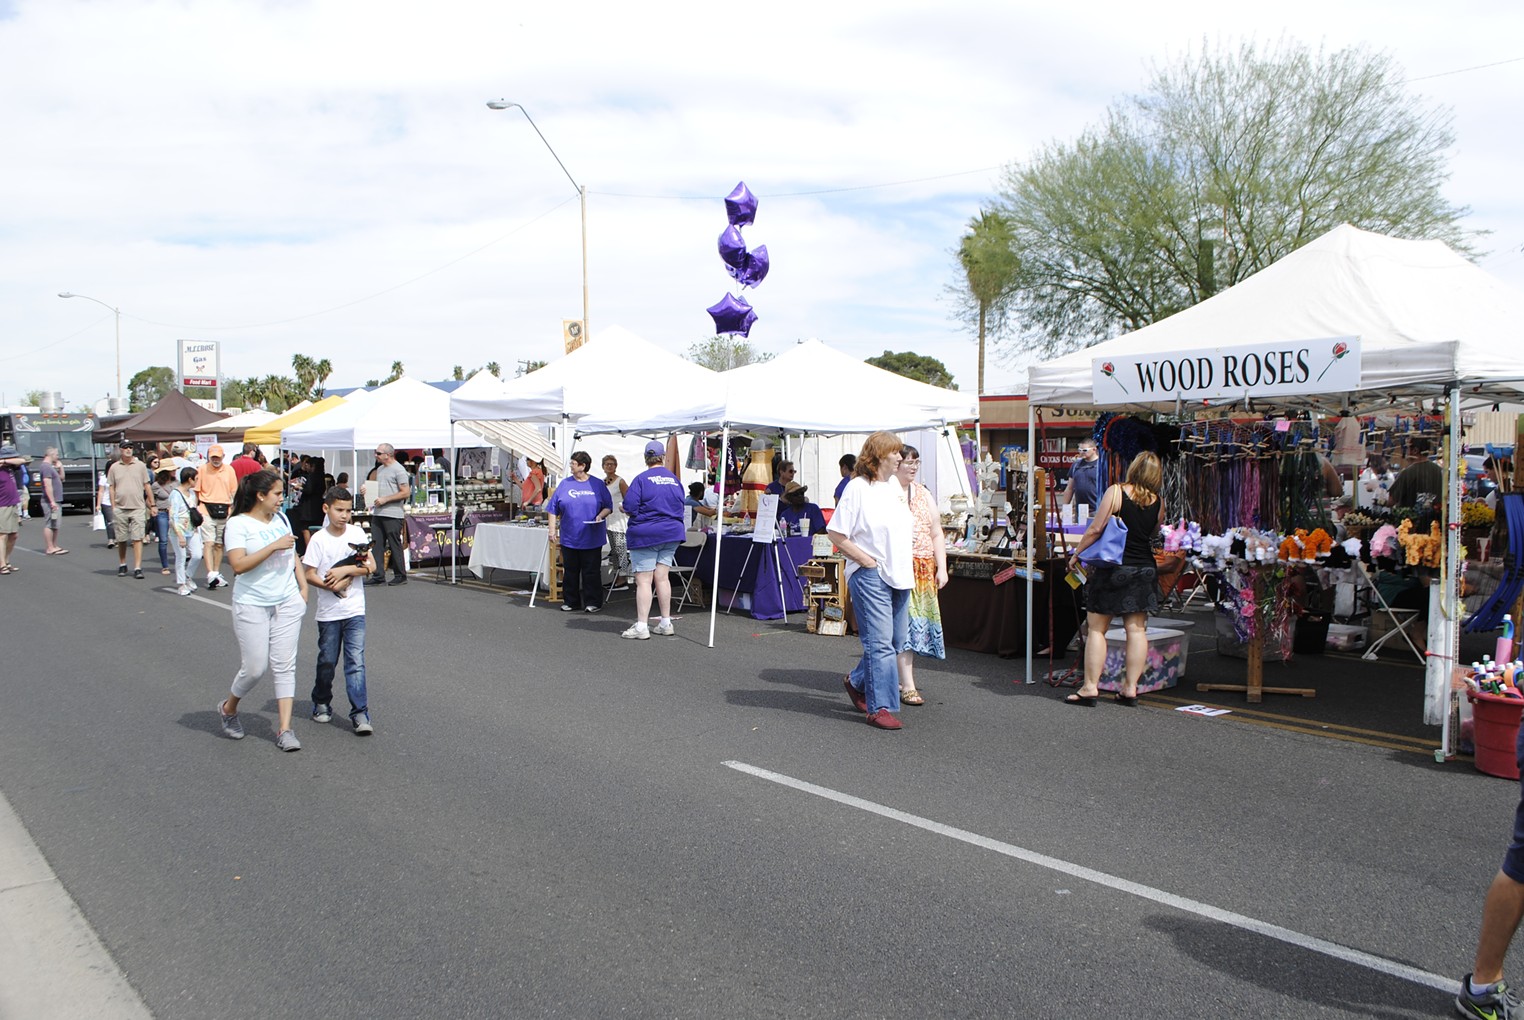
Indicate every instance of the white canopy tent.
{"type": "Point", "coordinates": [1430, 323]}
{"type": "Point", "coordinates": [240, 422]}
{"type": "Point", "coordinates": [506, 435]}
{"type": "Point", "coordinates": [406, 413]}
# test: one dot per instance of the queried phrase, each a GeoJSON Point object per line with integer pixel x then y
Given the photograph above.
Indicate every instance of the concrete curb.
{"type": "Point", "coordinates": [52, 964]}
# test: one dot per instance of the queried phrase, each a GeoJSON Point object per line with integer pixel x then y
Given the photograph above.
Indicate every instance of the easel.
{"type": "Point", "coordinates": [777, 570]}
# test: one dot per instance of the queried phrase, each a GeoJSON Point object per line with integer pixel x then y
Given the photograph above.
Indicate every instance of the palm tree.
{"type": "Point", "coordinates": [280, 392]}
{"type": "Point", "coordinates": [990, 268]}
{"type": "Point", "coordinates": [495, 369]}
{"type": "Point", "coordinates": [255, 392]}
{"type": "Point", "coordinates": [306, 374]}
{"type": "Point", "coordinates": [323, 369]}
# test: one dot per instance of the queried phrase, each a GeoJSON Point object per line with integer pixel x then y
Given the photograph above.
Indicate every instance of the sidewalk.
{"type": "Point", "coordinates": [52, 965]}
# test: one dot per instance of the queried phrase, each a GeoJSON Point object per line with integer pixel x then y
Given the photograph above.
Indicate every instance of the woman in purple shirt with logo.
{"type": "Point", "coordinates": [578, 508]}
{"type": "Point", "coordinates": [654, 504]}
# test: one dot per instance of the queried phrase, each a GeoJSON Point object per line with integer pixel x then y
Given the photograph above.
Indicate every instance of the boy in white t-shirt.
{"type": "Point", "coordinates": [340, 607]}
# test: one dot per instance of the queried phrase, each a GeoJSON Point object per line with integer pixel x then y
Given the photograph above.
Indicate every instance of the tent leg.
{"type": "Point", "coordinates": [1027, 512]}
{"type": "Point", "coordinates": [719, 530]}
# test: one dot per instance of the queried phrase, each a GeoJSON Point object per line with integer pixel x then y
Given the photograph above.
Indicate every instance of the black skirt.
{"type": "Point", "coordinates": [1117, 591]}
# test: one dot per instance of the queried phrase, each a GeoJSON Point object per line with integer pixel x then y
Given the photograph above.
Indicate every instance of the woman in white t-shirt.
{"type": "Point", "coordinates": [103, 503]}
{"type": "Point", "coordinates": [269, 600]}
{"type": "Point", "coordinates": [872, 528]}
{"type": "Point", "coordinates": [618, 523]}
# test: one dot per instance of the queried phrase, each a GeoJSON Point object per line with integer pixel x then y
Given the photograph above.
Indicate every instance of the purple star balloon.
{"type": "Point", "coordinates": [733, 249]}
{"type": "Point", "coordinates": [754, 271]}
{"type": "Point", "coordinates": [732, 315]}
{"type": "Point", "coordinates": [741, 206]}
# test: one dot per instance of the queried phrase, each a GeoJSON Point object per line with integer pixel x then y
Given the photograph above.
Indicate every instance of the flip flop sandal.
{"type": "Point", "coordinates": [912, 698]}
{"type": "Point", "coordinates": [7, 569]}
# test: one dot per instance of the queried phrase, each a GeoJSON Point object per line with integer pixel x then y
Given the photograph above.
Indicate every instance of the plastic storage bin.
{"type": "Point", "coordinates": [1168, 650]}
{"type": "Point", "coordinates": [1496, 733]}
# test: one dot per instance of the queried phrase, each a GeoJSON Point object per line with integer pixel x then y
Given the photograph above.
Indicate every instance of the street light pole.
{"type": "Point", "coordinates": [118, 313]}
{"type": "Point", "coordinates": [503, 104]}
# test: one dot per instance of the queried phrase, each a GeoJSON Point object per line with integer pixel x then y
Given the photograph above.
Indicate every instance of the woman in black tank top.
{"type": "Point", "coordinates": [1131, 590]}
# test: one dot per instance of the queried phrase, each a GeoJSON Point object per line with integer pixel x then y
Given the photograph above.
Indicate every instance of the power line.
{"type": "Point", "coordinates": [804, 194]}
{"type": "Point", "coordinates": [1463, 70]}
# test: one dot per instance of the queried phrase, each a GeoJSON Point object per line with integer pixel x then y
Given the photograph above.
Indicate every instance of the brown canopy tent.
{"type": "Point", "coordinates": [176, 416]}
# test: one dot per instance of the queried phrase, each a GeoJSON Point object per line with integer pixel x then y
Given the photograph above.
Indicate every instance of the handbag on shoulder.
{"type": "Point", "coordinates": [1106, 551]}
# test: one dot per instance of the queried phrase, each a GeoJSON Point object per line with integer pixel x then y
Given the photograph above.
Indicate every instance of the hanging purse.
{"type": "Point", "coordinates": [1106, 551]}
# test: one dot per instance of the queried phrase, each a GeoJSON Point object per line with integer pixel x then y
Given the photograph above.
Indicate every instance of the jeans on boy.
{"type": "Point", "coordinates": [883, 625]}
{"type": "Point", "coordinates": [350, 635]}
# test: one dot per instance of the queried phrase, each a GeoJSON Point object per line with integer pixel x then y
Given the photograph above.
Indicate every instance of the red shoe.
{"type": "Point", "coordinates": [859, 699]}
{"type": "Point", "coordinates": [885, 720]}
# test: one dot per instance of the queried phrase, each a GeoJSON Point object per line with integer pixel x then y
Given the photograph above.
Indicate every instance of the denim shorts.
{"type": "Point", "coordinates": [643, 561]}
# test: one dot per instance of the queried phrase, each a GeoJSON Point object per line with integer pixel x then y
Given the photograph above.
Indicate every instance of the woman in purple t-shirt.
{"type": "Point", "coordinates": [654, 503]}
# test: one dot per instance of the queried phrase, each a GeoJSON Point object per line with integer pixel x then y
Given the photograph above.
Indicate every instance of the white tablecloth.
{"type": "Point", "coordinates": [509, 547]}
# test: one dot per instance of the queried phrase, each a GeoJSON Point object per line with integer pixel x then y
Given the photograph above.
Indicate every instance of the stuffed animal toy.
{"type": "Point", "coordinates": [1384, 541]}
{"type": "Point", "coordinates": [1293, 546]}
{"type": "Point", "coordinates": [1352, 546]}
{"type": "Point", "coordinates": [1422, 550]}
{"type": "Point", "coordinates": [1319, 543]}
{"type": "Point", "coordinates": [1174, 536]}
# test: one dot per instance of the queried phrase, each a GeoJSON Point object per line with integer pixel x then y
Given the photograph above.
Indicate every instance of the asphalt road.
{"type": "Point", "coordinates": [552, 822]}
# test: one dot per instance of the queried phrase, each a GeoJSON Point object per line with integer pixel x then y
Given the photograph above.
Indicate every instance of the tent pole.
{"type": "Point", "coordinates": [1027, 512]}
{"type": "Point", "coordinates": [719, 529]}
{"type": "Point", "coordinates": [1440, 668]}
{"type": "Point", "coordinates": [454, 502]}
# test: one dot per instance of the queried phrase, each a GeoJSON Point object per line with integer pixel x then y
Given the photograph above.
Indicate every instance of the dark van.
{"type": "Point", "coordinates": [73, 435]}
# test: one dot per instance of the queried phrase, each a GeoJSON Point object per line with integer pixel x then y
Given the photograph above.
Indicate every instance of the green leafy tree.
{"type": "Point", "coordinates": [305, 369]}
{"type": "Point", "coordinates": [920, 367]}
{"type": "Point", "coordinates": [525, 367]}
{"type": "Point", "coordinates": [458, 373]}
{"type": "Point", "coordinates": [988, 262]}
{"type": "Point", "coordinates": [1227, 161]}
{"type": "Point", "coordinates": [281, 393]}
{"type": "Point", "coordinates": [149, 386]}
{"type": "Point", "coordinates": [322, 369]}
{"type": "Point", "coordinates": [33, 398]}
{"type": "Point", "coordinates": [495, 369]}
{"type": "Point", "coordinates": [722, 353]}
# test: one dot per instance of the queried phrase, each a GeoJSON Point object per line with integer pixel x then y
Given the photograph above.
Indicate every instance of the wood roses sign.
{"type": "Point", "coordinates": [1255, 370]}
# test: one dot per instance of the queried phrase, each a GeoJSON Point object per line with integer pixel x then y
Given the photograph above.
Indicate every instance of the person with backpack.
{"type": "Point", "coordinates": [185, 523]}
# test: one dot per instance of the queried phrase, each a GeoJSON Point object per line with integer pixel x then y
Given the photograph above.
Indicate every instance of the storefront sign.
{"type": "Point", "coordinates": [198, 362]}
{"type": "Point", "coordinates": [1258, 370]}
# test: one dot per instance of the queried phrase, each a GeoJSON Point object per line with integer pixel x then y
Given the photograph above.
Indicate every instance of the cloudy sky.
{"type": "Point", "coordinates": [324, 177]}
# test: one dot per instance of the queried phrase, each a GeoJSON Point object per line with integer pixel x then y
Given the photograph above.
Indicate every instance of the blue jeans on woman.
{"type": "Point", "coordinates": [883, 625]}
{"type": "Point", "coordinates": [161, 525]}
{"type": "Point", "coordinates": [348, 635]}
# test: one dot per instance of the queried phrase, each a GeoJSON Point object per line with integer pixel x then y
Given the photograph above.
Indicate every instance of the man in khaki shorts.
{"type": "Point", "coordinates": [216, 485]}
{"type": "Point", "coordinates": [131, 490]}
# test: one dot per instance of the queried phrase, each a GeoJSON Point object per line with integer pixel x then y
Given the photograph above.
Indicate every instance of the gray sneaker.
{"type": "Point", "coordinates": [230, 724]}
{"type": "Point", "coordinates": [322, 713]}
{"type": "Point", "coordinates": [664, 629]}
{"type": "Point", "coordinates": [363, 728]}
{"type": "Point", "coordinates": [286, 741]}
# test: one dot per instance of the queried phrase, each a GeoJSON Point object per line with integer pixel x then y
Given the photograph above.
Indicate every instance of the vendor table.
{"type": "Point", "coordinates": [982, 616]}
{"type": "Point", "coordinates": [760, 578]}
{"type": "Point", "coordinates": [511, 547]}
{"type": "Point", "coordinates": [431, 539]}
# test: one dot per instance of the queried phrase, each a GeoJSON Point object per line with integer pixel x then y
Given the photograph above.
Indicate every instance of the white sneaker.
{"type": "Point", "coordinates": [664, 629]}
{"type": "Point", "coordinates": [637, 632]}
{"type": "Point", "coordinates": [184, 589]}
{"type": "Point", "coordinates": [214, 582]}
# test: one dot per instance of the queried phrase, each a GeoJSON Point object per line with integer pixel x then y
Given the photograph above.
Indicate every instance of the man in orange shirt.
{"type": "Point", "coordinates": [216, 483]}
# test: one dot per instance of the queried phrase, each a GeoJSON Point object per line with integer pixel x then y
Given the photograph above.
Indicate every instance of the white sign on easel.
{"type": "Point", "coordinates": [766, 528]}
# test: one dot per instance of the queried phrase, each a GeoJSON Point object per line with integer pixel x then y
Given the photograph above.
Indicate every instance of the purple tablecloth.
{"type": "Point", "coordinates": [760, 577]}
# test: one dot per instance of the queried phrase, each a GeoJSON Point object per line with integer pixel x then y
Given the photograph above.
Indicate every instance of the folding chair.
{"type": "Point", "coordinates": [686, 575]}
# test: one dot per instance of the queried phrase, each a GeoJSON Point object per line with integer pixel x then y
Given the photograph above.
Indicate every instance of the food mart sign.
{"type": "Point", "coordinates": [1290, 368]}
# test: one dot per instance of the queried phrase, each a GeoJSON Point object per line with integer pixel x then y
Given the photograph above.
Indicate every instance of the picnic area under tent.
{"type": "Point", "coordinates": [175, 416]}
{"type": "Point", "coordinates": [268, 434]}
{"type": "Point", "coordinates": [1432, 328]}
{"type": "Point", "coordinates": [233, 427]}
{"type": "Point", "coordinates": [406, 413]}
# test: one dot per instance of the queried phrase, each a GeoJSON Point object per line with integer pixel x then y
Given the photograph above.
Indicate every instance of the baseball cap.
{"type": "Point", "coordinates": [215, 451]}
{"type": "Point", "coordinates": [656, 448]}
{"type": "Point", "coordinates": [124, 445]}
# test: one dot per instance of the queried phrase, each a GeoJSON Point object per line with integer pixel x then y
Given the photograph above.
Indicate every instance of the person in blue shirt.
{"type": "Point", "coordinates": [654, 504]}
{"type": "Point", "coordinates": [578, 509]}
{"type": "Point", "coordinates": [804, 517]}
{"type": "Point", "coordinates": [1084, 478]}
{"type": "Point", "coordinates": [785, 476]}
{"type": "Point", "coordinates": [848, 465]}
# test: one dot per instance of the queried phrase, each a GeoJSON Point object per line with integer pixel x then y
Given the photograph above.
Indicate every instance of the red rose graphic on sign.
{"type": "Point", "coordinates": [1339, 350]}
{"type": "Point", "coordinates": [1110, 371]}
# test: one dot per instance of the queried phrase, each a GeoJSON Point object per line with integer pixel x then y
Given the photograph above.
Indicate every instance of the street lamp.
{"type": "Point", "coordinates": [118, 313]}
{"type": "Point", "coordinates": [503, 104]}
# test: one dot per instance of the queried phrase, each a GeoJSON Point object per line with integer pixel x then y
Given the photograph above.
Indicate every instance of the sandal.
{"type": "Point", "coordinates": [1087, 700]}
{"type": "Point", "coordinates": [1123, 699]}
{"type": "Point", "coordinates": [7, 569]}
{"type": "Point", "coordinates": [912, 697]}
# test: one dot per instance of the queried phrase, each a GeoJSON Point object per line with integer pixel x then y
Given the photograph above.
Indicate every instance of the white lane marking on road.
{"type": "Point", "coordinates": [1206, 910]}
{"type": "Point", "coordinates": [199, 598]}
